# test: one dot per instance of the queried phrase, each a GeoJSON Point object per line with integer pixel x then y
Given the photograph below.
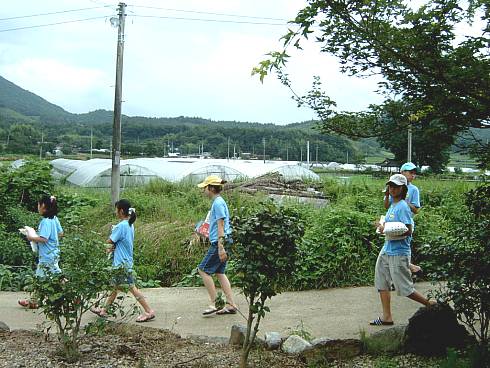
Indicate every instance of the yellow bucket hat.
{"type": "Point", "coordinates": [211, 180]}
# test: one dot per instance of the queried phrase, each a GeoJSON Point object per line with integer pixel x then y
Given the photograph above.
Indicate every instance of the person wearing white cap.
{"type": "Point", "coordinates": [409, 170]}
{"type": "Point", "coordinates": [214, 263]}
{"type": "Point", "coordinates": [392, 265]}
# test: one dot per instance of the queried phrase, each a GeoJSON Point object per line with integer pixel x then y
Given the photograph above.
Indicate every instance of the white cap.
{"type": "Point", "coordinates": [398, 179]}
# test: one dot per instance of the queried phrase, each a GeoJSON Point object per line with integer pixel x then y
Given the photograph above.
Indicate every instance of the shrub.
{"type": "Point", "coordinates": [339, 248]}
{"type": "Point", "coordinates": [266, 241]}
{"type": "Point", "coordinates": [64, 298]}
{"type": "Point", "coordinates": [462, 260]}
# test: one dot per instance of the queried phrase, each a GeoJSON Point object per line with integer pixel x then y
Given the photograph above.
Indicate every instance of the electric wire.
{"type": "Point", "coordinates": [56, 12]}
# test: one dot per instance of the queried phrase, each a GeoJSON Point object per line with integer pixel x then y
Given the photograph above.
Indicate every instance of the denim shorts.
{"type": "Point", "coordinates": [211, 263]}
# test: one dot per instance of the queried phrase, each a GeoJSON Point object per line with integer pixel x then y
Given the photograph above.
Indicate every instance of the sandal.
{"type": "Point", "coordinates": [101, 312]}
{"type": "Point", "coordinates": [379, 322]}
{"type": "Point", "coordinates": [28, 304]}
{"type": "Point", "coordinates": [212, 309]}
{"type": "Point", "coordinates": [226, 310]}
{"type": "Point", "coordinates": [145, 317]}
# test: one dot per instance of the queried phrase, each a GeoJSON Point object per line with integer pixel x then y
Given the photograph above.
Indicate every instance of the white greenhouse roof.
{"type": "Point", "coordinates": [97, 172]}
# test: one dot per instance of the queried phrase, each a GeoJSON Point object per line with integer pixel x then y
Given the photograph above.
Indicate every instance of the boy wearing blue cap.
{"type": "Point", "coordinates": [408, 170]}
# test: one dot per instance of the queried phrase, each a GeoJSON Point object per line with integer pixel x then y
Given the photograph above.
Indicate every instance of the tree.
{"type": "Point", "coordinates": [24, 138]}
{"type": "Point", "coordinates": [266, 244]}
{"type": "Point", "coordinates": [438, 73]}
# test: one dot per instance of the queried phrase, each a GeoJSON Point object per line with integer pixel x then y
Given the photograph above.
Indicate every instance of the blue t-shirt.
{"type": "Point", "coordinates": [219, 210]}
{"type": "Point", "coordinates": [398, 212]}
{"type": "Point", "coordinates": [413, 197]}
{"type": "Point", "coordinates": [49, 252]}
{"type": "Point", "coordinates": [123, 236]}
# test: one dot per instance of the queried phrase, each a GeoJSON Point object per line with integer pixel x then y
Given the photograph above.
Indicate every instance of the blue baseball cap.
{"type": "Point", "coordinates": [408, 166]}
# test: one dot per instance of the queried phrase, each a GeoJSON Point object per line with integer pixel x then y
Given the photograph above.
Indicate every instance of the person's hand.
{"type": "Point", "coordinates": [222, 254]}
{"type": "Point", "coordinates": [110, 249]}
{"type": "Point", "coordinates": [381, 228]}
{"type": "Point", "coordinates": [387, 191]}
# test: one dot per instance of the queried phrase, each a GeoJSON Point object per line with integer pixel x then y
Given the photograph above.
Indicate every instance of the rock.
{"type": "Point", "coordinates": [272, 340]}
{"type": "Point", "coordinates": [85, 349]}
{"type": "Point", "coordinates": [432, 330]}
{"type": "Point", "coordinates": [218, 340]}
{"type": "Point", "coordinates": [320, 341]}
{"type": "Point", "coordinates": [237, 336]}
{"type": "Point", "coordinates": [295, 345]}
{"type": "Point", "coordinates": [4, 327]}
{"type": "Point", "coordinates": [389, 340]}
{"type": "Point", "coordinates": [327, 350]}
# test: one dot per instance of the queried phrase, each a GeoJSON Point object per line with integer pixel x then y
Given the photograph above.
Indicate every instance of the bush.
{"type": "Point", "coordinates": [86, 279]}
{"type": "Point", "coordinates": [266, 242]}
{"type": "Point", "coordinates": [462, 260]}
{"type": "Point", "coordinates": [339, 248]}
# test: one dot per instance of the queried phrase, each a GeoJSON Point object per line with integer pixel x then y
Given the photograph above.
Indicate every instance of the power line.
{"type": "Point", "coordinates": [52, 13]}
{"type": "Point", "coordinates": [208, 13]}
{"type": "Point", "coordinates": [51, 24]}
{"type": "Point", "coordinates": [209, 20]}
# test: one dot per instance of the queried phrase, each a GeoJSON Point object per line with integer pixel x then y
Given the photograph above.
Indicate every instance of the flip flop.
{"type": "Point", "coordinates": [209, 311]}
{"type": "Point", "coordinates": [28, 304]}
{"type": "Point", "coordinates": [99, 312]}
{"type": "Point", "coordinates": [379, 322]}
{"type": "Point", "coordinates": [226, 310]}
{"type": "Point", "coordinates": [145, 317]}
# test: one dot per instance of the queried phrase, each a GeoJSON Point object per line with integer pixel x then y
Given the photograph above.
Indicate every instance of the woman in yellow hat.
{"type": "Point", "coordinates": [214, 263]}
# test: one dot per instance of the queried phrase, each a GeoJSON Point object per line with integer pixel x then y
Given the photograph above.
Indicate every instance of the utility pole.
{"type": "Point", "coordinates": [91, 141]}
{"type": "Point", "coordinates": [409, 151]}
{"type": "Point", "coordinates": [116, 128]}
{"type": "Point", "coordinates": [308, 153]}
{"type": "Point", "coordinates": [287, 153]}
{"type": "Point", "coordinates": [228, 155]}
{"type": "Point", "coordinates": [263, 142]}
{"type": "Point", "coordinates": [301, 155]}
{"type": "Point", "coordinates": [347, 156]}
{"type": "Point", "coordinates": [317, 154]}
{"type": "Point", "coordinates": [41, 147]}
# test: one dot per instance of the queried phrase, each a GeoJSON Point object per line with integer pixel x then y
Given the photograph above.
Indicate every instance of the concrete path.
{"type": "Point", "coordinates": [334, 313]}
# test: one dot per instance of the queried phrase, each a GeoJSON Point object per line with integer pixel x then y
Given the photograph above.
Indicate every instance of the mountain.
{"type": "Point", "coordinates": [29, 104]}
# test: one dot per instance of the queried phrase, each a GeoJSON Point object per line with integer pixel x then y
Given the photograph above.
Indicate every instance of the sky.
{"type": "Point", "coordinates": [172, 67]}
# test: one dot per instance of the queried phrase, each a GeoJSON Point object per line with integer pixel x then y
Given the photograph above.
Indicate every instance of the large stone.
{"type": "Point", "coordinates": [4, 327]}
{"type": "Point", "coordinates": [320, 341]}
{"type": "Point", "coordinates": [237, 336]}
{"type": "Point", "coordinates": [295, 345]}
{"type": "Point", "coordinates": [203, 339]}
{"type": "Point", "coordinates": [272, 340]}
{"type": "Point", "coordinates": [432, 330]}
{"type": "Point", "coordinates": [326, 350]}
{"type": "Point", "coordinates": [388, 340]}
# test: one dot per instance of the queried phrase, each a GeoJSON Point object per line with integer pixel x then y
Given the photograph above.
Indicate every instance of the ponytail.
{"type": "Point", "coordinates": [125, 206]}
{"type": "Point", "coordinates": [50, 206]}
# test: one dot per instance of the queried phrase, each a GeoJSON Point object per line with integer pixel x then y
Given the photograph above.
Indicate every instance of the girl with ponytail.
{"type": "Point", "coordinates": [121, 245]}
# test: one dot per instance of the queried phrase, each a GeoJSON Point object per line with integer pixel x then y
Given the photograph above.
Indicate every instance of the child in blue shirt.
{"type": "Point", "coordinates": [47, 240]}
{"type": "Point", "coordinates": [409, 170]}
{"type": "Point", "coordinates": [121, 245]}
{"type": "Point", "coordinates": [216, 258]}
{"type": "Point", "coordinates": [393, 263]}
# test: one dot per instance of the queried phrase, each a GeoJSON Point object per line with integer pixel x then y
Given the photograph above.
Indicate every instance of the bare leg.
{"type": "Point", "coordinates": [421, 299]}
{"type": "Point", "coordinates": [209, 283]}
{"type": "Point", "coordinates": [111, 298]}
{"type": "Point", "coordinates": [141, 299]}
{"type": "Point", "coordinates": [226, 286]}
{"type": "Point", "coordinates": [385, 297]}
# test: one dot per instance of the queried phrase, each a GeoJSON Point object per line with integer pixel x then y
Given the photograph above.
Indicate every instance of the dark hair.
{"type": "Point", "coordinates": [50, 206]}
{"type": "Point", "coordinates": [125, 206]}
{"type": "Point", "coordinates": [217, 188]}
{"type": "Point", "coordinates": [404, 191]}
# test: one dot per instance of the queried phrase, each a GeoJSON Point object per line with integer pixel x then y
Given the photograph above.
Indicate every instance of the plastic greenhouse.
{"type": "Point", "coordinates": [96, 173]}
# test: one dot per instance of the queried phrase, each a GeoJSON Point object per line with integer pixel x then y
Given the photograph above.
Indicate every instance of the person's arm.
{"type": "Point", "coordinates": [37, 239]}
{"type": "Point", "coordinates": [221, 240]}
{"type": "Point", "coordinates": [387, 198]}
{"type": "Point", "coordinates": [409, 232]}
{"type": "Point", "coordinates": [413, 208]}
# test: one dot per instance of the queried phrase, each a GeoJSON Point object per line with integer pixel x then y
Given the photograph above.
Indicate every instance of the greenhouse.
{"type": "Point", "coordinates": [96, 173]}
